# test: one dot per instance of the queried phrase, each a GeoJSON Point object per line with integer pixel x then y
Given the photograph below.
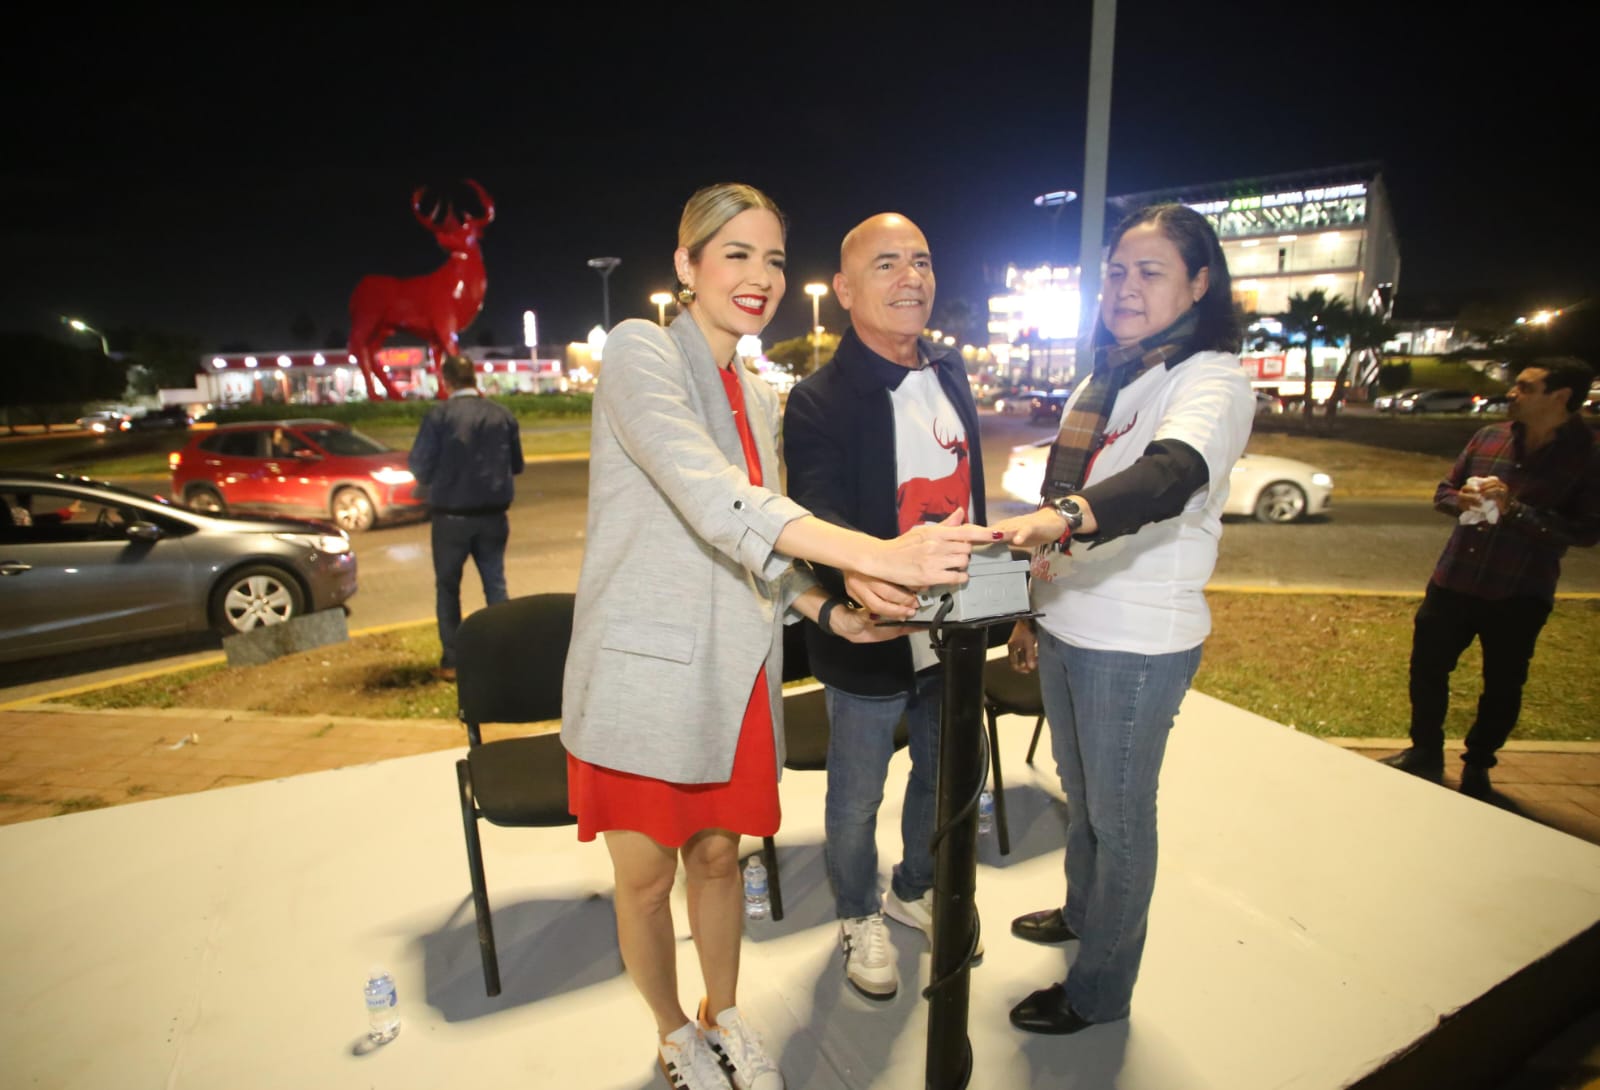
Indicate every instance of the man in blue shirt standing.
{"type": "Point", "coordinates": [466, 453]}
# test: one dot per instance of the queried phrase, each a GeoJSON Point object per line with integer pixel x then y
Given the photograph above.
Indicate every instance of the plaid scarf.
{"type": "Point", "coordinates": [1083, 426]}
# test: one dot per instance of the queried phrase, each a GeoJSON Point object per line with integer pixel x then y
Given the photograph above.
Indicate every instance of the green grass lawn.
{"type": "Point", "coordinates": [1336, 666]}
{"type": "Point", "coordinates": [1329, 665]}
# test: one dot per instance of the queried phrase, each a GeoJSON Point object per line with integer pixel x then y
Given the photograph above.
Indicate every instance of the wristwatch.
{"type": "Point", "coordinates": [1067, 508]}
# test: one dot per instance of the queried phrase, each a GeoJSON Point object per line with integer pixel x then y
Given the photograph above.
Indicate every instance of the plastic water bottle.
{"type": "Point", "coordinates": [383, 1011]}
{"type": "Point", "coordinates": [757, 903]}
{"type": "Point", "coordinates": [985, 812]}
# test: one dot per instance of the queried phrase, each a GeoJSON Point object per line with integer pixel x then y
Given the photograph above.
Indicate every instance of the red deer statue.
{"type": "Point", "coordinates": [924, 499]}
{"type": "Point", "coordinates": [437, 307]}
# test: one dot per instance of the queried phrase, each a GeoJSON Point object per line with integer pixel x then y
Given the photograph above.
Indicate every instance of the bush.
{"type": "Point", "coordinates": [527, 407]}
{"type": "Point", "coordinates": [1394, 376]}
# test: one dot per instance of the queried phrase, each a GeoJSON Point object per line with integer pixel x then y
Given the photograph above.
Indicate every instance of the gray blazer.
{"type": "Point", "coordinates": [681, 596]}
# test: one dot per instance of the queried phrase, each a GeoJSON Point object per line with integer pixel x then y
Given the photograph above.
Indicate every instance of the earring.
{"type": "Point", "coordinates": [685, 296]}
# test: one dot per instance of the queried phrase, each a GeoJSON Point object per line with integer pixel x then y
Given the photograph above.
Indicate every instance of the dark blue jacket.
{"type": "Point", "coordinates": [466, 453]}
{"type": "Point", "coordinates": [838, 445]}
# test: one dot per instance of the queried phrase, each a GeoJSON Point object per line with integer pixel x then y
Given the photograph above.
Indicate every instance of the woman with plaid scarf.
{"type": "Point", "coordinates": [1126, 537]}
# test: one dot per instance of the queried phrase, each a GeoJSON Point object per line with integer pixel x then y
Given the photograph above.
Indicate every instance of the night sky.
{"type": "Point", "coordinates": [226, 179]}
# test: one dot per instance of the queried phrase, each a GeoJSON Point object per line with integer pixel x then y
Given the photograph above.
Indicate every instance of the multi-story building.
{"type": "Point", "coordinates": [1330, 229]}
{"type": "Point", "coordinates": [1289, 234]}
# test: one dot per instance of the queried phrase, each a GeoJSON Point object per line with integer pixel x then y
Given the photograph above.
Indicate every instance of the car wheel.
{"type": "Point", "coordinates": [205, 500]}
{"type": "Point", "coordinates": [1281, 501]}
{"type": "Point", "coordinates": [254, 597]}
{"type": "Point", "coordinates": [353, 511]}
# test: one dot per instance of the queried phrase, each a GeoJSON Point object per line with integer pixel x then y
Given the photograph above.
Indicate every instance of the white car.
{"type": "Point", "coordinates": [1265, 487]}
{"type": "Point", "coordinates": [103, 421]}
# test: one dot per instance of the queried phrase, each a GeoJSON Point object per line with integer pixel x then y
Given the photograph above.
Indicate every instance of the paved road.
{"type": "Point", "coordinates": [1370, 545]}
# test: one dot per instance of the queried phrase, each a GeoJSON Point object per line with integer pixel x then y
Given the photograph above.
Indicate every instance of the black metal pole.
{"type": "Point", "coordinates": [955, 917]}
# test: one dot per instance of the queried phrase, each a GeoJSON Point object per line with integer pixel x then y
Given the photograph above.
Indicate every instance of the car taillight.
{"type": "Point", "coordinates": [174, 460]}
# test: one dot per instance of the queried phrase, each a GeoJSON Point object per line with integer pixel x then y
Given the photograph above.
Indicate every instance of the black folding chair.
{"type": "Point", "coordinates": [805, 736]}
{"type": "Point", "coordinates": [510, 659]}
{"type": "Point", "coordinates": [1006, 692]}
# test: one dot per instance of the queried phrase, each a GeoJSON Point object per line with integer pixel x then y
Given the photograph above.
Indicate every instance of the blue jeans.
{"type": "Point", "coordinates": [1110, 713]}
{"type": "Point", "coordinates": [860, 743]}
{"type": "Point", "coordinates": [456, 537]}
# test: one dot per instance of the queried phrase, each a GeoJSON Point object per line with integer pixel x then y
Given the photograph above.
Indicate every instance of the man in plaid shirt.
{"type": "Point", "coordinates": [1521, 493]}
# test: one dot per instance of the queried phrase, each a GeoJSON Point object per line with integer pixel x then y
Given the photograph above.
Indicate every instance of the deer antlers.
{"type": "Point", "coordinates": [954, 443]}
{"type": "Point", "coordinates": [451, 222]}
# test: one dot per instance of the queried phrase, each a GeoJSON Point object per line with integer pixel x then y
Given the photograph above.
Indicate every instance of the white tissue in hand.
{"type": "Point", "coordinates": [1487, 512]}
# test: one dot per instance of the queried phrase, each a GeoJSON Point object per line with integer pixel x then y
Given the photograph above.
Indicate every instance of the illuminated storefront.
{"type": "Point", "coordinates": [331, 376]}
{"type": "Point", "coordinates": [1033, 327]}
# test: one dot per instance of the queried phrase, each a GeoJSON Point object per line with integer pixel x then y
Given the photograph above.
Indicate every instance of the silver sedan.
{"type": "Point", "coordinates": [85, 564]}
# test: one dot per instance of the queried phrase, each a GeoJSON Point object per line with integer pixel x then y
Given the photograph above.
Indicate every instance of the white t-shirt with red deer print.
{"type": "Point", "coordinates": [932, 465]}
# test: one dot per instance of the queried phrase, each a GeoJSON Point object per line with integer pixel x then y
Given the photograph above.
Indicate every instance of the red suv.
{"type": "Point", "coordinates": [316, 468]}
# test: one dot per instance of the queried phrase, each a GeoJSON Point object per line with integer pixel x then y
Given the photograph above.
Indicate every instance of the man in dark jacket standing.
{"type": "Point", "coordinates": [466, 453]}
{"type": "Point", "coordinates": [883, 437]}
{"type": "Point", "coordinates": [1522, 493]}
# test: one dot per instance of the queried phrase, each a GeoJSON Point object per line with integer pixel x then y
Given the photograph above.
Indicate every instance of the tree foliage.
{"type": "Point", "coordinates": [1362, 331]}
{"type": "Point", "coordinates": [794, 354]}
{"type": "Point", "coordinates": [159, 360]}
{"type": "Point", "coordinates": [48, 381]}
{"type": "Point", "coordinates": [955, 317]}
{"type": "Point", "coordinates": [1310, 316]}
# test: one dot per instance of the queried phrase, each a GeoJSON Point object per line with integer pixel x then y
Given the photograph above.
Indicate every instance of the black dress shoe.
{"type": "Point", "coordinates": [1427, 764]}
{"type": "Point", "coordinates": [1046, 1011]}
{"type": "Point", "coordinates": [1046, 926]}
{"type": "Point", "coordinates": [1475, 782]}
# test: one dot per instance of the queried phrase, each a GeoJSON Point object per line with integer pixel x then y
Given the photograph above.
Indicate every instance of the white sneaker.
{"type": "Point", "coordinates": [918, 914]}
{"type": "Point", "coordinates": [869, 961]}
{"type": "Point", "coordinates": [740, 1050]}
{"type": "Point", "coordinates": [688, 1062]}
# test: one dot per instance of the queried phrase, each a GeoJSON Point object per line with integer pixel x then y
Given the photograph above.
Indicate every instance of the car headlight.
{"type": "Point", "coordinates": [332, 544]}
{"type": "Point", "coordinates": [391, 475]}
{"type": "Point", "coordinates": [1322, 480]}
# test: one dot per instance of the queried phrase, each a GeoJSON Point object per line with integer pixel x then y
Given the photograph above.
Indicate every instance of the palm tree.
{"type": "Point", "coordinates": [1364, 331]}
{"type": "Point", "coordinates": [1310, 315]}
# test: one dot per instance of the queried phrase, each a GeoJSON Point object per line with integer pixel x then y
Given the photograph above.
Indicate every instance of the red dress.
{"type": "Point", "coordinates": [670, 813]}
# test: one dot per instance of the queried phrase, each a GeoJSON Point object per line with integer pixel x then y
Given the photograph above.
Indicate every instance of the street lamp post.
{"type": "Point", "coordinates": [84, 327]}
{"type": "Point", "coordinates": [816, 291]}
{"type": "Point", "coordinates": [604, 265]}
{"type": "Point", "coordinates": [661, 299]}
{"type": "Point", "coordinates": [1053, 202]}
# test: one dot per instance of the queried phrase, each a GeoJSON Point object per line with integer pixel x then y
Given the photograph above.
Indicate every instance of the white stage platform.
{"type": "Point", "coordinates": [1315, 915]}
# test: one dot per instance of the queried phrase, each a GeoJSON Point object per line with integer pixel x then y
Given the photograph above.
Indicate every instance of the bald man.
{"type": "Point", "coordinates": [883, 437]}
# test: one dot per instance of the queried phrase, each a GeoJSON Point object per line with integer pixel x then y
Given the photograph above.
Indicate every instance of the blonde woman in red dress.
{"type": "Point", "coordinates": [672, 708]}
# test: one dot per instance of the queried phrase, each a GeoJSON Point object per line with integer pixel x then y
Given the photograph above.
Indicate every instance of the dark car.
{"type": "Point", "coordinates": [1389, 403]}
{"type": "Point", "coordinates": [1435, 401]}
{"type": "Point", "coordinates": [85, 564]}
{"type": "Point", "coordinates": [313, 468]}
{"type": "Point", "coordinates": [1046, 408]}
{"type": "Point", "coordinates": [1491, 405]}
{"type": "Point", "coordinates": [1011, 399]}
{"type": "Point", "coordinates": [169, 416]}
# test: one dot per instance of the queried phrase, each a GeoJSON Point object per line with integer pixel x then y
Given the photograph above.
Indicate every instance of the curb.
{"type": "Point", "coordinates": [1457, 746]}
